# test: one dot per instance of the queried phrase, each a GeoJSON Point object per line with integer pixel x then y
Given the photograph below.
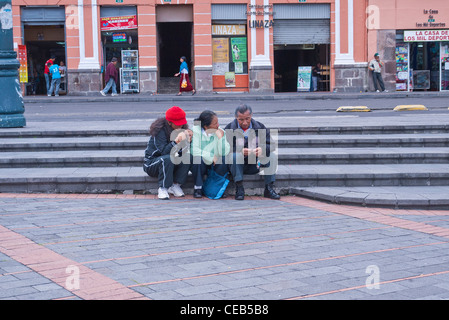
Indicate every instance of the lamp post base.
{"type": "Point", "coordinates": [12, 121]}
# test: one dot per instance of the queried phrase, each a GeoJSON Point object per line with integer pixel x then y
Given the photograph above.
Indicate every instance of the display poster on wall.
{"type": "Point", "coordinates": [238, 66]}
{"type": "Point", "coordinates": [238, 46]}
{"type": "Point", "coordinates": [229, 79]}
{"type": "Point", "coordinates": [220, 55]}
{"type": "Point", "coordinates": [220, 47]}
{"type": "Point", "coordinates": [304, 79]}
{"type": "Point", "coordinates": [118, 23]}
{"type": "Point", "coordinates": [23, 69]}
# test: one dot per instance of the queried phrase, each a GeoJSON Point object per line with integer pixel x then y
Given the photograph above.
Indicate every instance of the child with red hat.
{"type": "Point", "coordinates": [166, 141]}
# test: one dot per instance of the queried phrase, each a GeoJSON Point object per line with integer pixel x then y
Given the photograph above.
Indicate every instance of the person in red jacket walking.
{"type": "Point", "coordinates": [110, 77]}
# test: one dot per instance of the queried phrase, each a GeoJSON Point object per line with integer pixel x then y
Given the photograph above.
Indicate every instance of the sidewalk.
{"type": "Point", "coordinates": [236, 96]}
{"type": "Point", "coordinates": [71, 247]}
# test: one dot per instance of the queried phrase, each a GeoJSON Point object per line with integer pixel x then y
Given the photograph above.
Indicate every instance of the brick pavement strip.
{"type": "Point", "coordinates": [137, 247]}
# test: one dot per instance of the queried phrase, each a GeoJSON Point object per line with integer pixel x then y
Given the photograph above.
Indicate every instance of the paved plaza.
{"type": "Point", "coordinates": [90, 246]}
{"type": "Point", "coordinates": [131, 246]}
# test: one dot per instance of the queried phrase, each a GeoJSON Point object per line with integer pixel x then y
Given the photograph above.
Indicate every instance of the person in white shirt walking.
{"type": "Point", "coordinates": [376, 66]}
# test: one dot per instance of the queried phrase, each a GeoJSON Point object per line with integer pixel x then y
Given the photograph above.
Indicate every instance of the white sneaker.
{"type": "Point", "coordinates": [103, 94]}
{"type": "Point", "coordinates": [176, 190]}
{"type": "Point", "coordinates": [163, 194]}
{"type": "Point", "coordinates": [114, 94]}
{"type": "Point", "coordinates": [377, 91]}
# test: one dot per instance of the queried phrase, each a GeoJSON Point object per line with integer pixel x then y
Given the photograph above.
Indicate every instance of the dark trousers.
{"type": "Point", "coordinates": [200, 169]}
{"type": "Point", "coordinates": [377, 78]}
{"type": "Point", "coordinates": [238, 169]}
{"type": "Point", "coordinates": [166, 171]}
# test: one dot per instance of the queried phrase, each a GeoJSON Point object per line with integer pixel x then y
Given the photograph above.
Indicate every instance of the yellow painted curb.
{"type": "Point", "coordinates": [411, 107]}
{"type": "Point", "coordinates": [353, 108]}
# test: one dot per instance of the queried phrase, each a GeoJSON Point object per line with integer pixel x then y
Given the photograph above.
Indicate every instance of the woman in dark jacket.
{"type": "Point", "coordinates": [166, 144]}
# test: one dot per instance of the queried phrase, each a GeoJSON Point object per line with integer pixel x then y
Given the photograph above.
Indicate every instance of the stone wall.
{"type": "Point", "coordinates": [148, 80]}
{"type": "Point", "coordinates": [203, 79]}
{"type": "Point", "coordinates": [350, 77]}
{"type": "Point", "coordinates": [84, 82]}
{"type": "Point", "coordinates": [260, 80]}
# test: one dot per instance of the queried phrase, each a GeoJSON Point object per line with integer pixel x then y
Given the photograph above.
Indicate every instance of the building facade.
{"type": "Point", "coordinates": [230, 45]}
{"type": "Point", "coordinates": [412, 37]}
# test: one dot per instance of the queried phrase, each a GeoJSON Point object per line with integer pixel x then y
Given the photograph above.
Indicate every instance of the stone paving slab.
{"type": "Point", "coordinates": [138, 247]}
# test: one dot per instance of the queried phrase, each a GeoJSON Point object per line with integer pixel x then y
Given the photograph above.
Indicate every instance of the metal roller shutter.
{"type": "Point", "coordinates": [42, 15]}
{"type": "Point", "coordinates": [307, 31]}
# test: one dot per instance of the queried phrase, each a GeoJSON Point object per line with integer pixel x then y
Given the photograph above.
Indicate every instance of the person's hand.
{"type": "Point", "coordinates": [189, 134]}
{"type": "Point", "coordinates": [176, 74]}
{"type": "Point", "coordinates": [246, 151]}
{"type": "Point", "coordinates": [219, 133]}
{"type": "Point", "coordinates": [257, 151]}
{"type": "Point", "coordinates": [181, 136]}
{"type": "Point", "coordinates": [214, 161]}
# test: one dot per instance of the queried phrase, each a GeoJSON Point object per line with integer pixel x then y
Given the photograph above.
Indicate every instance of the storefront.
{"type": "Point", "coordinates": [422, 60]}
{"type": "Point", "coordinates": [253, 46]}
{"type": "Point", "coordinates": [119, 38]}
{"type": "Point", "coordinates": [301, 38]}
{"type": "Point", "coordinates": [412, 39]}
{"type": "Point", "coordinates": [229, 48]}
{"type": "Point", "coordinates": [43, 37]}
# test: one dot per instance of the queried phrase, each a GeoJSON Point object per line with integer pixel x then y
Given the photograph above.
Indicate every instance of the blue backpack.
{"type": "Point", "coordinates": [215, 185]}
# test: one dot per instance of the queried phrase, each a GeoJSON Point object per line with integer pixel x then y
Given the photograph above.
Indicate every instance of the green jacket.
{"type": "Point", "coordinates": [208, 146]}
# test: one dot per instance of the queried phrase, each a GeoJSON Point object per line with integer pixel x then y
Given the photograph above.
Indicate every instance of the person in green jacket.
{"type": "Point", "coordinates": [209, 148]}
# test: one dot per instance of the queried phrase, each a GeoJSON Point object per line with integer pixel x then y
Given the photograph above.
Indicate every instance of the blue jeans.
{"type": "Point", "coordinates": [47, 82]}
{"type": "Point", "coordinates": [240, 166]}
{"type": "Point", "coordinates": [110, 84]}
{"type": "Point", "coordinates": [55, 83]}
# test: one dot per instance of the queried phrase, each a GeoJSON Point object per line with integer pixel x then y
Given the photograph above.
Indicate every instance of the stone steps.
{"type": "Point", "coordinates": [303, 156]}
{"type": "Point", "coordinates": [407, 197]}
{"type": "Point", "coordinates": [394, 164]}
{"type": "Point", "coordinates": [139, 140]}
{"type": "Point", "coordinates": [90, 179]}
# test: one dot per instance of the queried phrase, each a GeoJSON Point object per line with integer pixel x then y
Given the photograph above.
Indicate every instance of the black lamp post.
{"type": "Point", "coordinates": [11, 100]}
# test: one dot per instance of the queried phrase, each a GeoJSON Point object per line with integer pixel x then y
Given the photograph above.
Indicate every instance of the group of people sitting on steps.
{"type": "Point", "coordinates": [244, 146]}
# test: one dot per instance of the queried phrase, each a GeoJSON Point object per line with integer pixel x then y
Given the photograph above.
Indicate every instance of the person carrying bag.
{"type": "Point", "coordinates": [209, 148]}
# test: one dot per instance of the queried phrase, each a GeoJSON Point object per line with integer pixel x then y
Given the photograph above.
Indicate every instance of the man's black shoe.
{"type": "Point", "coordinates": [239, 192]}
{"type": "Point", "coordinates": [197, 193]}
{"type": "Point", "coordinates": [270, 193]}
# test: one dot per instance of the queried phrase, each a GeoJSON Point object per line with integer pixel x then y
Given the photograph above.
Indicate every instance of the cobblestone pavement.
{"type": "Point", "coordinates": [87, 246]}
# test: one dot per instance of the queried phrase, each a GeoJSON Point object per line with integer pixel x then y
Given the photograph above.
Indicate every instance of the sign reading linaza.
{"type": "Point", "coordinates": [260, 23]}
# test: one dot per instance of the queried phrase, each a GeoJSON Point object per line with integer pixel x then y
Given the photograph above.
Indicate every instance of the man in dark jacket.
{"type": "Point", "coordinates": [252, 152]}
{"type": "Point", "coordinates": [111, 78]}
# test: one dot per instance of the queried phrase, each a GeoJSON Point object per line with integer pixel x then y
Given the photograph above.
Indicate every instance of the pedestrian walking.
{"type": "Point", "coordinates": [111, 78]}
{"type": "Point", "coordinates": [47, 75]}
{"type": "Point", "coordinates": [209, 150]}
{"type": "Point", "coordinates": [55, 79]}
{"type": "Point", "coordinates": [184, 81]}
{"type": "Point", "coordinates": [376, 66]}
{"type": "Point", "coordinates": [252, 152]}
{"type": "Point", "coordinates": [163, 144]}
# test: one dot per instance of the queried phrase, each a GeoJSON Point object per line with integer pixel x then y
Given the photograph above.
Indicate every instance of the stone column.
{"type": "Point", "coordinates": [11, 103]}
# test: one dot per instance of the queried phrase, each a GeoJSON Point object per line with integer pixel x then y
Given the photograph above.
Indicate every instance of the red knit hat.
{"type": "Point", "coordinates": [176, 115]}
